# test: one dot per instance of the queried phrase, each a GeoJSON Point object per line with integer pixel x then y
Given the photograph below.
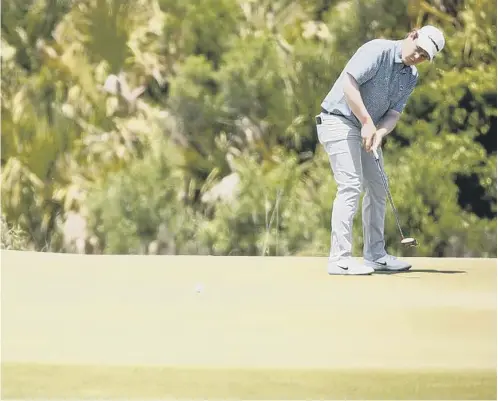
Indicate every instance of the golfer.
{"type": "Point", "coordinates": [363, 106]}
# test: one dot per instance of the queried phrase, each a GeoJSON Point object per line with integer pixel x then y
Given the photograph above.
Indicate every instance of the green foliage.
{"type": "Point", "coordinates": [271, 215]}
{"type": "Point", "coordinates": [199, 27]}
{"type": "Point", "coordinates": [13, 238]}
{"type": "Point", "coordinates": [26, 24]}
{"type": "Point", "coordinates": [423, 189]}
{"type": "Point", "coordinates": [218, 89]}
{"type": "Point", "coordinates": [142, 205]}
{"type": "Point", "coordinates": [251, 225]}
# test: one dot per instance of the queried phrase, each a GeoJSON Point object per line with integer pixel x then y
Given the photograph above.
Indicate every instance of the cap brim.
{"type": "Point", "coordinates": [425, 43]}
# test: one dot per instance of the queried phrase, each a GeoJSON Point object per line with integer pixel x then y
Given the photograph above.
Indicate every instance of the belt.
{"type": "Point", "coordinates": [318, 119]}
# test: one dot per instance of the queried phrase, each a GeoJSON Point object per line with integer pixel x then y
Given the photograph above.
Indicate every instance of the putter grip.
{"type": "Point", "coordinates": [376, 155]}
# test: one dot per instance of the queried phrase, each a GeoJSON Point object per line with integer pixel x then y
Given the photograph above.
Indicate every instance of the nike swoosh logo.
{"type": "Point", "coordinates": [383, 264]}
{"type": "Point", "coordinates": [343, 267]}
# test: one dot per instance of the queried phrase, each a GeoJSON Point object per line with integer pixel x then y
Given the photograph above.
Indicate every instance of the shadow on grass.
{"type": "Point", "coordinates": [428, 271]}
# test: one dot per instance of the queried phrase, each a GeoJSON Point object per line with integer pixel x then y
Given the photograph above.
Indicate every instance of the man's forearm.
{"type": "Point", "coordinates": [386, 124]}
{"type": "Point", "coordinates": [355, 101]}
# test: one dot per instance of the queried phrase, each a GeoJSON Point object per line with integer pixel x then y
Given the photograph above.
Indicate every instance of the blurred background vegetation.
{"type": "Point", "coordinates": [187, 127]}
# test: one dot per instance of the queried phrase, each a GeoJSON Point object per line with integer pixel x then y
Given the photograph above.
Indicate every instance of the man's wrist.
{"type": "Point", "coordinates": [366, 120]}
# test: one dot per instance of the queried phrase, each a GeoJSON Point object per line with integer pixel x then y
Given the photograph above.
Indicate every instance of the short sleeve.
{"type": "Point", "coordinates": [366, 61]}
{"type": "Point", "coordinates": [400, 104]}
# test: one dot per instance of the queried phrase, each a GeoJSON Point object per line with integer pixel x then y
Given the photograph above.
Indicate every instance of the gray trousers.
{"type": "Point", "coordinates": [354, 170]}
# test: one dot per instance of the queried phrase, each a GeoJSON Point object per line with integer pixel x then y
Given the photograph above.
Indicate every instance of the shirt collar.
{"type": "Point", "coordinates": [397, 52]}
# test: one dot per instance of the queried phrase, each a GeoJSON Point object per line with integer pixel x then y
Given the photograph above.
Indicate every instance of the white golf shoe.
{"type": "Point", "coordinates": [348, 266]}
{"type": "Point", "coordinates": [388, 262]}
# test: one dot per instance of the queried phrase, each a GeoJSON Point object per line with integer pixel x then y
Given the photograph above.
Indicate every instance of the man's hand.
{"type": "Point", "coordinates": [377, 141]}
{"type": "Point", "coordinates": [384, 127]}
{"type": "Point", "coordinates": [368, 135]}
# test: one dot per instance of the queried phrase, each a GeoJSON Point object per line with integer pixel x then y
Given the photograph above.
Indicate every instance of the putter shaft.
{"type": "Point", "coordinates": [384, 181]}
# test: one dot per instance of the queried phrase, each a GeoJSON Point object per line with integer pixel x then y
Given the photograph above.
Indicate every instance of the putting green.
{"type": "Point", "coordinates": [247, 328]}
{"type": "Point", "coordinates": [70, 382]}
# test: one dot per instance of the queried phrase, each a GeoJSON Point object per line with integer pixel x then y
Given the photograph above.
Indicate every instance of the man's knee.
{"type": "Point", "coordinates": [350, 193]}
{"type": "Point", "coordinates": [376, 188]}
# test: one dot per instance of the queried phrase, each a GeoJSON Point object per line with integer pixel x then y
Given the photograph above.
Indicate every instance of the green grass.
{"type": "Point", "coordinates": [30, 381]}
{"type": "Point", "coordinates": [261, 328]}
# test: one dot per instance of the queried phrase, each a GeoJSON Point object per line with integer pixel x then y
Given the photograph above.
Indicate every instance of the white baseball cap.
{"type": "Point", "coordinates": [431, 39]}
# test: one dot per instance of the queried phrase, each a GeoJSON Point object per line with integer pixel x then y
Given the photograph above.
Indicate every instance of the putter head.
{"type": "Point", "coordinates": [409, 241]}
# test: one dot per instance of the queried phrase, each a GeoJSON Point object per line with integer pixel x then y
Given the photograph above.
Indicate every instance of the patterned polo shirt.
{"type": "Point", "coordinates": [385, 82]}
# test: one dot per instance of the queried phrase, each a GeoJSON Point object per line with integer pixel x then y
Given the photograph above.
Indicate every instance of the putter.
{"type": "Point", "coordinates": [404, 241]}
